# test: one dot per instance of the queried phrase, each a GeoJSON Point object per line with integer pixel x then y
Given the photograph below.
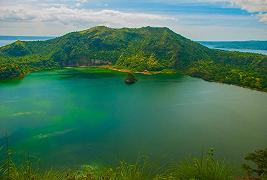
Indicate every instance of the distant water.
{"type": "Point", "coordinates": [246, 50]}
{"type": "Point", "coordinates": [68, 118]}
{"type": "Point", "coordinates": [240, 50]}
{"type": "Point", "coordinates": [4, 40]}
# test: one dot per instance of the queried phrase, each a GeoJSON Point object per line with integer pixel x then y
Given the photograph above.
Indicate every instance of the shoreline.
{"type": "Point", "coordinates": [128, 71]}
{"type": "Point", "coordinates": [136, 72]}
{"type": "Point", "coordinates": [165, 71]}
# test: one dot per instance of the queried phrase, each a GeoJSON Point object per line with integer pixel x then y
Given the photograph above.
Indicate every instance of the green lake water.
{"type": "Point", "coordinates": [69, 117]}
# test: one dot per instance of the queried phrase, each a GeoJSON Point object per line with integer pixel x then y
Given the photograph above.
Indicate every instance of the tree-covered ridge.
{"type": "Point", "coordinates": [138, 49]}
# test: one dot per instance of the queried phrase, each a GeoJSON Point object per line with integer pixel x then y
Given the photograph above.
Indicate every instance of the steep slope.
{"type": "Point", "coordinates": [138, 49]}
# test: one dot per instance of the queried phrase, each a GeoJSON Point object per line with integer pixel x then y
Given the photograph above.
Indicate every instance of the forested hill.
{"type": "Point", "coordinates": [138, 49]}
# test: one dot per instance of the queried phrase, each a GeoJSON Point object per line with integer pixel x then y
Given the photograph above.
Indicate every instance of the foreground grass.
{"type": "Point", "coordinates": [203, 168]}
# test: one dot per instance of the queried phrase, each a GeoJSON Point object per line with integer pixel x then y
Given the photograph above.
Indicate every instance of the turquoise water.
{"type": "Point", "coordinates": [69, 117]}
{"type": "Point", "coordinates": [264, 52]}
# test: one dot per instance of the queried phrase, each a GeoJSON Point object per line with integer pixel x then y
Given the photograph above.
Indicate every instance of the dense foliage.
{"type": "Point", "coordinates": [259, 158]}
{"type": "Point", "coordinates": [141, 49]}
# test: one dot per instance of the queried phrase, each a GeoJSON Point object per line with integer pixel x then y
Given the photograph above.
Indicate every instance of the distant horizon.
{"type": "Point", "coordinates": [197, 40]}
{"type": "Point", "coordinates": [54, 36]}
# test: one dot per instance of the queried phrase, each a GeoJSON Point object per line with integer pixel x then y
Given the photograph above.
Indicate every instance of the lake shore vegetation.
{"type": "Point", "coordinates": [206, 167]}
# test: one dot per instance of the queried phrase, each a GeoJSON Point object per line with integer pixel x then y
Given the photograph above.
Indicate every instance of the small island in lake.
{"type": "Point", "coordinates": [130, 79]}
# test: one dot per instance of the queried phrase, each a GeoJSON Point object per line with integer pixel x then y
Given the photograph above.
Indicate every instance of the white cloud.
{"type": "Point", "coordinates": [254, 6]}
{"type": "Point", "coordinates": [82, 1]}
{"type": "Point", "coordinates": [263, 18]}
{"type": "Point", "coordinates": [50, 17]}
{"type": "Point", "coordinates": [67, 15]}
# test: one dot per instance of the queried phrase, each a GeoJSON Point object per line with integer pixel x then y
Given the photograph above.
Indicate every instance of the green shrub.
{"type": "Point", "coordinates": [204, 168]}
{"type": "Point", "coordinates": [259, 158]}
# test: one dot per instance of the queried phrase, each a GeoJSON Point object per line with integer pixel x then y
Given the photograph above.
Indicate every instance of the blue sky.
{"type": "Point", "coordinates": [195, 19]}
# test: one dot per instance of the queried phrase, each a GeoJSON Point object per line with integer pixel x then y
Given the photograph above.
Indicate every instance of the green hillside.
{"type": "Point", "coordinates": [139, 49]}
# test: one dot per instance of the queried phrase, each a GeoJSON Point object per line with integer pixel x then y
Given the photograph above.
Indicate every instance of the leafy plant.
{"type": "Point", "coordinates": [8, 169]}
{"type": "Point", "coordinates": [259, 160]}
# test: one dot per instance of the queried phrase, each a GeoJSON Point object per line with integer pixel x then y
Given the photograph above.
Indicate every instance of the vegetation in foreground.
{"type": "Point", "coordinates": [135, 49]}
{"type": "Point", "coordinates": [204, 168]}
